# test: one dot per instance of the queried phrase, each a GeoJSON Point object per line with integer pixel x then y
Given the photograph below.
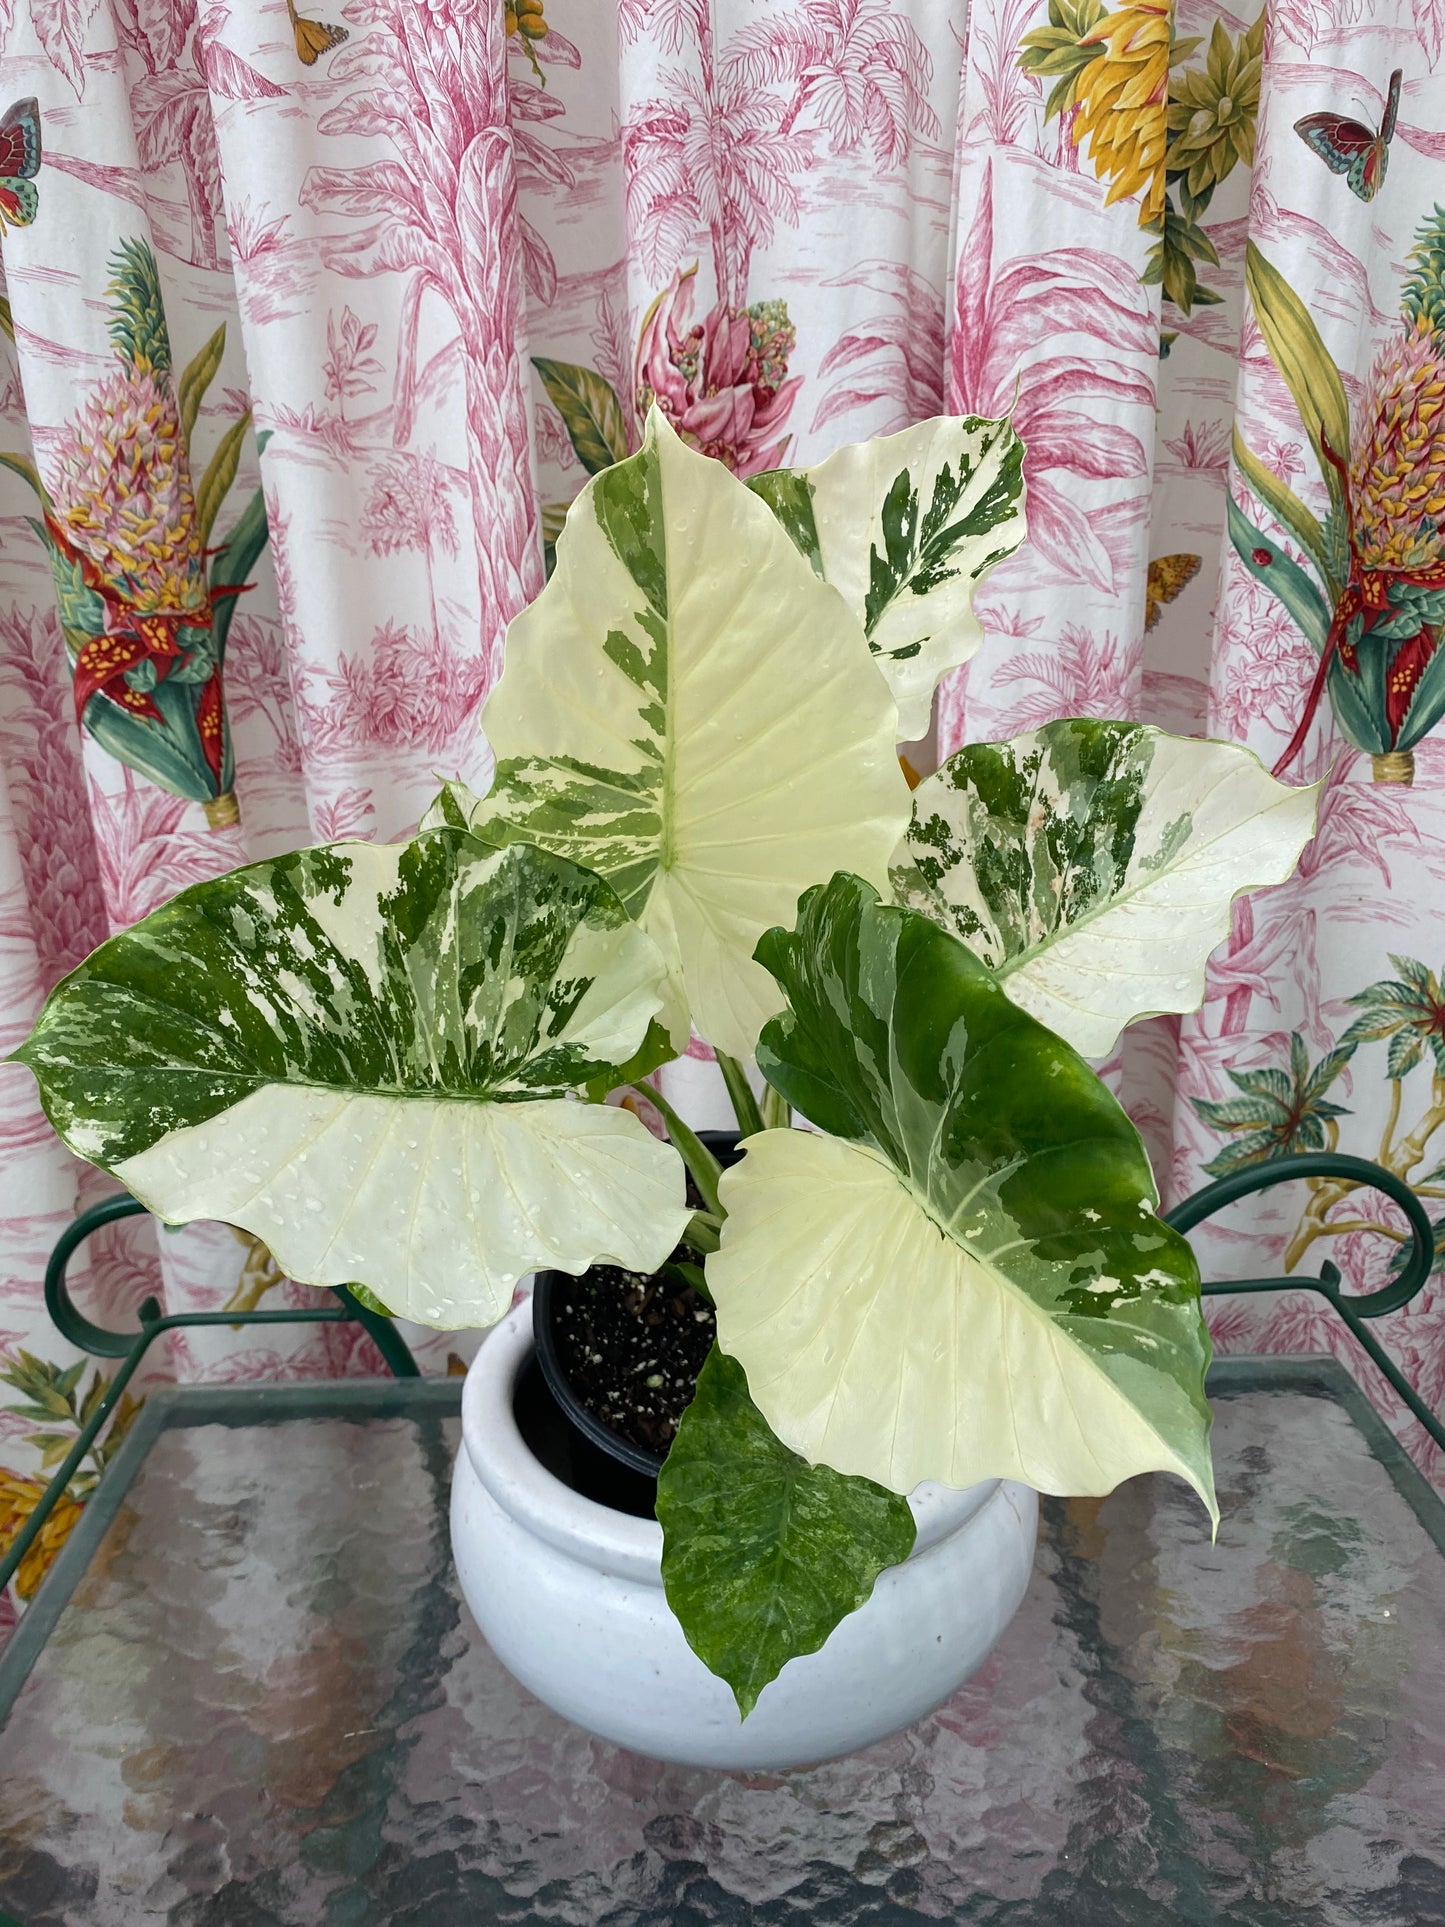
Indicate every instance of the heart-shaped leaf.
{"type": "Point", "coordinates": [689, 711]}
{"type": "Point", "coordinates": [362, 1055]}
{"type": "Point", "coordinates": [906, 526]}
{"type": "Point", "coordinates": [1092, 865]}
{"type": "Point", "coordinates": [969, 1280]}
{"type": "Point", "coordinates": [762, 1553]}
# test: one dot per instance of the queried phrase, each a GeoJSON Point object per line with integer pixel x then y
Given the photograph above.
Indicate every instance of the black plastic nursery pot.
{"type": "Point", "coordinates": [603, 1465]}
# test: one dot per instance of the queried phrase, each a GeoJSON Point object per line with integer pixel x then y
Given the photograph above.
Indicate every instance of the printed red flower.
{"type": "Point", "coordinates": [722, 383]}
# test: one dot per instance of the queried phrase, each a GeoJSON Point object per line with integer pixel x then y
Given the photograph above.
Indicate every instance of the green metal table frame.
{"type": "Point", "coordinates": [1356, 1310]}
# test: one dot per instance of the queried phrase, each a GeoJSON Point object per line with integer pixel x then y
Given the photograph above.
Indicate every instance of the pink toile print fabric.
{"type": "Point", "coordinates": [315, 319]}
{"type": "Point", "coordinates": [1206, 529]}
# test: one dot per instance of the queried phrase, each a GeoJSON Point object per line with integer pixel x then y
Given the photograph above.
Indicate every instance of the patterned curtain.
{"type": "Point", "coordinates": [314, 325]}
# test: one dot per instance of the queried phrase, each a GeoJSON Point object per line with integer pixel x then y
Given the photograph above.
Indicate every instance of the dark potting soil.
{"type": "Point", "coordinates": [632, 1347]}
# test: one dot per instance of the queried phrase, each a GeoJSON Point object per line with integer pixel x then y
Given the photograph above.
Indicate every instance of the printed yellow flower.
{"type": "Point", "coordinates": [18, 1499]}
{"type": "Point", "coordinates": [1397, 474]}
{"type": "Point", "coordinates": [1213, 110]}
{"type": "Point", "coordinates": [1122, 96]}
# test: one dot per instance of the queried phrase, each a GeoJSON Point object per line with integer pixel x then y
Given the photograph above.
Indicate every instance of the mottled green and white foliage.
{"type": "Point", "coordinates": [906, 526]}
{"type": "Point", "coordinates": [762, 1553]}
{"type": "Point", "coordinates": [1092, 865]}
{"type": "Point", "coordinates": [689, 711]}
{"type": "Point", "coordinates": [362, 1055]}
{"type": "Point", "coordinates": [968, 1279]}
{"type": "Point", "coordinates": [451, 808]}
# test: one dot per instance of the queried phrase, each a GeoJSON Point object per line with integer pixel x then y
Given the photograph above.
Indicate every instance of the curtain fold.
{"type": "Point", "coordinates": [314, 325]}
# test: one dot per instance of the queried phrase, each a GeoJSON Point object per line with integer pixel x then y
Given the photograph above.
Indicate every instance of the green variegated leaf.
{"type": "Point", "coordinates": [451, 808]}
{"type": "Point", "coordinates": [906, 526]}
{"type": "Point", "coordinates": [788, 492]}
{"type": "Point", "coordinates": [687, 710]}
{"type": "Point", "coordinates": [362, 1055]}
{"type": "Point", "coordinates": [968, 1279]}
{"type": "Point", "coordinates": [762, 1553]}
{"type": "Point", "coordinates": [1092, 865]}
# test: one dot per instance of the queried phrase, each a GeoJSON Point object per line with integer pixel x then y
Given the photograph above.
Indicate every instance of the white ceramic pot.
{"type": "Point", "coordinates": [569, 1596]}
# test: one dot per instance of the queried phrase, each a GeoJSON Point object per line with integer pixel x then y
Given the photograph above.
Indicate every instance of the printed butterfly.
{"type": "Point", "coordinates": [19, 164]}
{"type": "Point", "coordinates": [1169, 576]}
{"type": "Point", "coordinates": [1348, 147]}
{"type": "Point", "coordinates": [313, 37]}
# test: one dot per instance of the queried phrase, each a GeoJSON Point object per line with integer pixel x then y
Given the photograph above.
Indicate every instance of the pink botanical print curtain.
{"type": "Point", "coordinates": [315, 321]}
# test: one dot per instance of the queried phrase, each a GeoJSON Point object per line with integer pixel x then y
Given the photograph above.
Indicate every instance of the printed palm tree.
{"type": "Point", "coordinates": [1279, 1111]}
{"type": "Point", "coordinates": [1409, 1010]}
{"type": "Point", "coordinates": [1030, 341]}
{"type": "Point", "coordinates": [895, 354]}
{"type": "Point", "coordinates": [1374, 608]}
{"type": "Point", "coordinates": [1079, 676]}
{"type": "Point", "coordinates": [182, 77]}
{"type": "Point", "coordinates": [409, 507]}
{"type": "Point", "coordinates": [718, 149]}
{"type": "Point", "coordinates": [860, 67]}
{"type": "Point", "coordinates": [441, 210]}
{"type": "Point", "coordinates": [721, 150]}
{"type": "Point", "coordinates": [145, 620]}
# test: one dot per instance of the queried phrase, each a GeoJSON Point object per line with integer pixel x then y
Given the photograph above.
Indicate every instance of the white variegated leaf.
{"type": "Point", "coordinates": [363, 1056]}
{"type": "Point", "coordinates": [451, 808]}
{"type": "Point", "coordinates": [687, 710]}
{"type": "Point", "coordinates": [968, 1278]}
{"type": "Point", "coordinates": [1092, 865]}
{"type": "Point", "coordinates": [906, 526]}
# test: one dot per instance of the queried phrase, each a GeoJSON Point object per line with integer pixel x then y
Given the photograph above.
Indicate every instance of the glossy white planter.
{"type": "Point", "coordinates": [569, 1596]}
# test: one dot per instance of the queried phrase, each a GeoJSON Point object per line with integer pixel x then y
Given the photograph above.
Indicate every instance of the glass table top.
{"type": "Point", "coordinates": [264, 1703]}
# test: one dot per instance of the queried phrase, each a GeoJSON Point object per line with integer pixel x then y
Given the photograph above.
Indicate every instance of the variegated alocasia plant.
{"type": "Point", "coordinates": [978, 1285]}
{"type": "Point", "coordinates": [389, 1063]}
{"type": "Point", "coordinates": [906, 526]}
{"type": "Point", "coordinates": [702, 705]}
{"type": "Point", "coordinates": [363, 1055]}
{"type": "Point", "coordinates": [1091, 865]}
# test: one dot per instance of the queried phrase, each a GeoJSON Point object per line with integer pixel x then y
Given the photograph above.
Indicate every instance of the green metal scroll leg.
{"type": "Point", "coordinates": [1353, 1308]}
{"type": "Point", "coordinates": [131, 1347]}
